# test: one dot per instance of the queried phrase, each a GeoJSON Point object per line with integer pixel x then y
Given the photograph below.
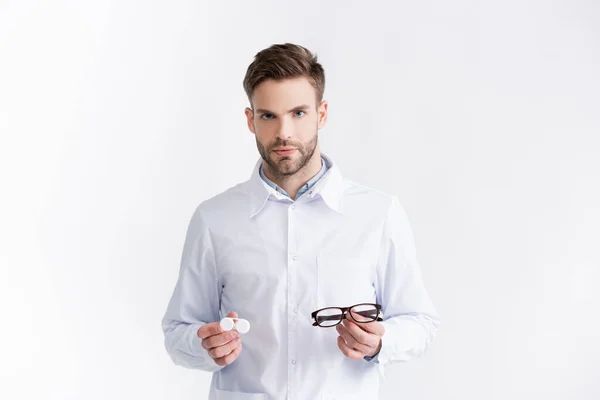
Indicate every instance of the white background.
{"type": "Point", "coordinates": [118, 117]}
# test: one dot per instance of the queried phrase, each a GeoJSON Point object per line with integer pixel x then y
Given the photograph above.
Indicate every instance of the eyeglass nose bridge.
{"type": "Point", "coordinates": [345, 312]}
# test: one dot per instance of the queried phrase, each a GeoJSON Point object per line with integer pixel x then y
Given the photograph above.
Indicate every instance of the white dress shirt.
{"type": "Point", "coordinates": [274, 261]}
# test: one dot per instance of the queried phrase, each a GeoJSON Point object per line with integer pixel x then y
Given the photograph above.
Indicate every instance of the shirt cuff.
{"type": "Point", "coordinates": [196, 350]}
{"type": "Point", "coordinates": [373, 358]}
{"type": "Point", "coordinates": [194, 341]}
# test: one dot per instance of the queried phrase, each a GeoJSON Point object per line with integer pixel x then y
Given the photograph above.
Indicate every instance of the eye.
{"type": "Point", "coordinates": [299, 112]}
{"type": "Point", "coordinates": [266, 116]}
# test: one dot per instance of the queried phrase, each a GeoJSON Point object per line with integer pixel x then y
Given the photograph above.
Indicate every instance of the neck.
{"type": "Point", "coordinates": [292, 183]}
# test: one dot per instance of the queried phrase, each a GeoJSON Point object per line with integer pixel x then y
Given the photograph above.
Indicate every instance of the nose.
{"type": "Point", "coordinates": [285, 129]}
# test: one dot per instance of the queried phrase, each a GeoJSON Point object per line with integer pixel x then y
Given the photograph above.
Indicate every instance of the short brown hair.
{"type": "Point", "coordinates": [284, 61]}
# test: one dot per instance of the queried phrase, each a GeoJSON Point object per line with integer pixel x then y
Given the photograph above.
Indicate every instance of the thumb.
{"type": "Point", "coordinates": [232, 314]}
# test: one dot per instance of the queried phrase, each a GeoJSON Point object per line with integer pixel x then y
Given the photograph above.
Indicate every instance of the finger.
{"type": "Point", "coordinates": [348, 352]}
{"type": "Point", "coordinates": [210, 329]}
{"type": "Point", "coordinates": [229, 358]}
{"type": "Point", "coordinates": [351, 342]}
{"type": "Point", "coordinates": [219, 340]}
{"type": "Point", "coordinates": [361, 336]}
{"type": "Point", "coordinates": [375, 327]}
{"type": "Point", "coordinates": [222, 351]}
{"type": "Point", "coordinates": [232, 314]}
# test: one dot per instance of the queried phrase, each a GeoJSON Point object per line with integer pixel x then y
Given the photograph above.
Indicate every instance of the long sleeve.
{"type": "Point", "coordinates": [195, 299]}
{"type": "Point", "coordinates": [410, 320]}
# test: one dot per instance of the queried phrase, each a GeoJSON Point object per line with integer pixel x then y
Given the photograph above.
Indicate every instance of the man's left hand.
{"type": "Point", "coordinates": [359, 340]}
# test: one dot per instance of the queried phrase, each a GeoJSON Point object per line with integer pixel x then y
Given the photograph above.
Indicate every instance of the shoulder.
{"type": "Point", "coordinates": [222, 204]}
{"type": "Point", "coordinates": [376, 204]}
{"type": "Point", "coordinates": [368, 196]}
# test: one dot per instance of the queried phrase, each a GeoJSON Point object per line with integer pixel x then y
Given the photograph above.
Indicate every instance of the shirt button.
{"type": "Point", "coordinates": [295, 311]}
{"type": "Point", "coordinates": [295, 257]}
{"type": "Point", "coordinates": [294, 362]}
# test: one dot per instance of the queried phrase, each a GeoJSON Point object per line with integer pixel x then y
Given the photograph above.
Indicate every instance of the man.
{"type": "Point", "coordinates": [295, 238]}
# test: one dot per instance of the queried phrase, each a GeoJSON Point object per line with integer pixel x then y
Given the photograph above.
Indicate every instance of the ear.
{"type": "Point", "coordinates": [322, 114]}
{"type": "Point", "coordinates": [250, 119]}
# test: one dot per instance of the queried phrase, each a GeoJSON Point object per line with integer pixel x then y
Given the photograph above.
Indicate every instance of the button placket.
{"type": "Point", "coordinates": [291, 297]}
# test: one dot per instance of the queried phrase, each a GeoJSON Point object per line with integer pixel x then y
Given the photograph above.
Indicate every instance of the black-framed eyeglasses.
{"type": "Point", "coordinates": [361, 313]}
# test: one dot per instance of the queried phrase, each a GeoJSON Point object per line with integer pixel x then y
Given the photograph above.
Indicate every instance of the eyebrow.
{"type": "Point", "coordinates": [302, 107]}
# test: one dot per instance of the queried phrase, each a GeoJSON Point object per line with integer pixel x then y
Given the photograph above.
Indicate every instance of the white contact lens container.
{"type": "Point", "coordinates": [241, 325]}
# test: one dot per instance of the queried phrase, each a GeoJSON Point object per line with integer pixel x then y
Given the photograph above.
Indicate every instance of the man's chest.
{"type": "Point", "coordinates": [308, 258]}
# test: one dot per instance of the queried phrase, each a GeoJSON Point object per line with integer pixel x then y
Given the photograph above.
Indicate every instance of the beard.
{"type": "Point", "coordinates": [283, 167]}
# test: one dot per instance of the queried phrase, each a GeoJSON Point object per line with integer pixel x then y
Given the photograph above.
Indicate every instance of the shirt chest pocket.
{"type": "Point", "coordinates": [344, 280]}
{"type": "Point", "coordinates": [248, 278]}
{"type": "Point", "coordinates": [227, 395]}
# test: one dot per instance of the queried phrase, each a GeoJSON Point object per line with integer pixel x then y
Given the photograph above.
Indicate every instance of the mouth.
{"type": "Point", "coordinates": [284, 151]}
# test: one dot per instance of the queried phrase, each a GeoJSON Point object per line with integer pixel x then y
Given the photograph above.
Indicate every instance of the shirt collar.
{"type": "Point", "coordinates": [329, 187]}
{"type": "Point", "coordinates": [308, 185]}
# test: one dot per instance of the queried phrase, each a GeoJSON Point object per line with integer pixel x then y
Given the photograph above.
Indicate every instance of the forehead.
{"type": "Point", "coordinates": [284, 95]}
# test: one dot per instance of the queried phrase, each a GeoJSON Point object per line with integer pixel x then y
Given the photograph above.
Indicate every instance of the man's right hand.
{"type": "Point", "coordinates": [223, 346]}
